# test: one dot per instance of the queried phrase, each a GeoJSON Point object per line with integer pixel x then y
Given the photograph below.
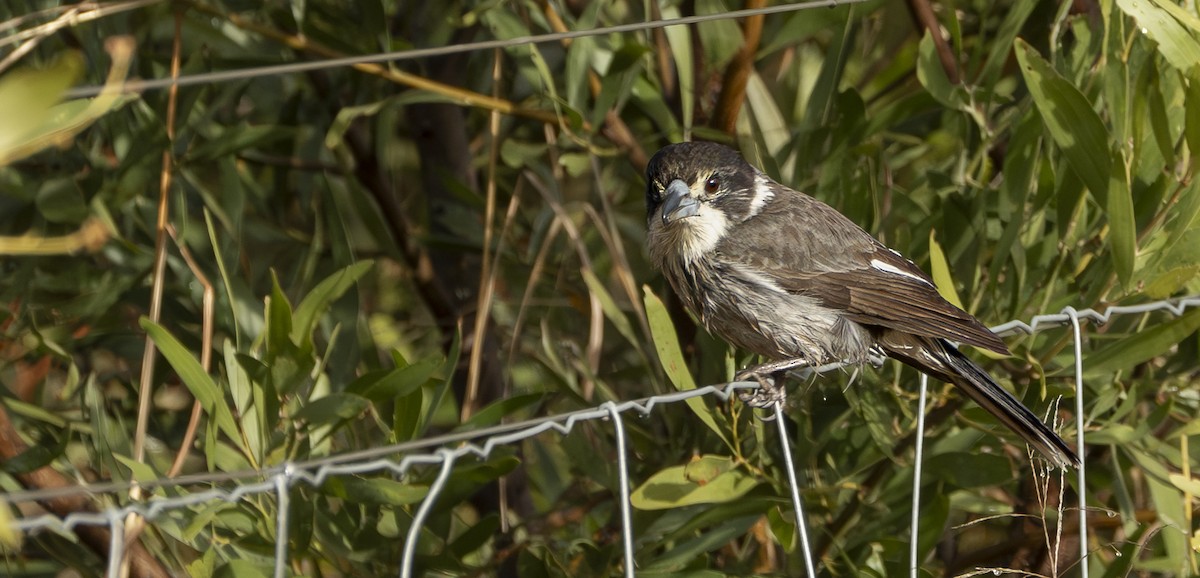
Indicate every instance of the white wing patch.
{"type": "Point", "coordinates": [762, 194]}
{"type": "Point", "coordinates": [888, 268]}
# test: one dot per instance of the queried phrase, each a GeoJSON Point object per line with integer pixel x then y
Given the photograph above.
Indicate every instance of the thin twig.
{"type": "Point", "coordinates": [486, 279]}
{"type": "Point", "coordinates": [208, 301]}
{"type": "Point", "coordinates": [134, 523]}
{"type": "Point", "coordinates": [922, 13]}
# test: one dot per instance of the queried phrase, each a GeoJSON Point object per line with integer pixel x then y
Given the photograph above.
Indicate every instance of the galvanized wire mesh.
{"type": "Point", "coordinates": [446, 451]}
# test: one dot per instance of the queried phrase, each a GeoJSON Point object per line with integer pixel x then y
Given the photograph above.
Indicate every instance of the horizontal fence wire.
{"type": "Point", "coordinates": [445, 451]}
{"type": "Point", "coordinates": [421, 53]}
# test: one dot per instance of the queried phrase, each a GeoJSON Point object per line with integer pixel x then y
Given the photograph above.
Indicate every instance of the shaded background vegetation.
{"type": "Point", "coordinates": [441, 243]}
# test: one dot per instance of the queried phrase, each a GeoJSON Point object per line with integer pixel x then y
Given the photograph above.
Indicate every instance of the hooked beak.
{"type": "Point", "coordinates": [679, 203]}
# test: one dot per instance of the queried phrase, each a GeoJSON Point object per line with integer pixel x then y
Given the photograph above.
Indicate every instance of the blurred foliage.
{"type": "Point", "coordinates": [354, 220]}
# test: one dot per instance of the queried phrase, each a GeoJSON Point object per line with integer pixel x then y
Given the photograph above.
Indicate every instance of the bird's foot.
{"type": "Point", "coordinates": [770, 382]}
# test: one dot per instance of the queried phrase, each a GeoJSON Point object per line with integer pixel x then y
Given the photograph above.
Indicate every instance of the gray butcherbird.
{"type": "Point", "coordinates": [781, 274]}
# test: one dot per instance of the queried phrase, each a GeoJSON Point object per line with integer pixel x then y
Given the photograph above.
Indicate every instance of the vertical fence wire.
{"type": "Point", "coordinates": [116, 543]}
{"type": "Point", "coordinates": [913, 563]}
{"type": "Point", "coordinates": [623, 493]}
{"type": "Point", "coordinates": [1077, 338]}
{"type": "Point", "coordinates": [794, 486]}
{"type": "Point", "coordinates": [282, 486]}
{"type": "Point", "coordinates": [418, 520]}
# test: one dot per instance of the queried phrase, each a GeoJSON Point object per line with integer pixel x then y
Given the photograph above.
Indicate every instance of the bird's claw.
{"type": "Point", "coordinates": [769, 377]}
{"type": "Point", "coordinates": [768, 393]}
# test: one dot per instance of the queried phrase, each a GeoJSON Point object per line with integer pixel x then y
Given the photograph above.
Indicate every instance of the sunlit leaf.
{"type": "Point", "coordinates": [718, 481]}
{"type": "Point", "coordinates": [666, 342]}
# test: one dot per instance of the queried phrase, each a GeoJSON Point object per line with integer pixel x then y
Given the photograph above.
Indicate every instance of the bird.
{"type": "Point", "coordinates": [780, 274]}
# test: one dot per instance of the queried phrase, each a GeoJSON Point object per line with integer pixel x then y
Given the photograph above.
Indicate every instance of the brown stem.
{"type": "Point", "coordinates": [922, 13]}
{"type": "Point", "coordinates": [737, 74]}
{"type": "Point", "coordinates": [208, 300]}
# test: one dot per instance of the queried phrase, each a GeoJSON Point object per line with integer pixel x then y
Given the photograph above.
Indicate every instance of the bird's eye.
{"type": "Point", "coordinates": [712, 184]}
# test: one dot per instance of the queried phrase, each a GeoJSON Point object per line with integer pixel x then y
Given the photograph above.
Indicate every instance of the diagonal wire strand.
{"type": "Point", "coordinates": [419, 53]}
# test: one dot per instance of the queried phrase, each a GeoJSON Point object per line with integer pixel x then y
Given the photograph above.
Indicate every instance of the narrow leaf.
{"type": "Point", "coordinates": [333, 408]}
{"type": "Point", "coordinates": [666, 342]}
{"type": "Point", "coordinates": [941, 271]}
{"type": "Point", "coordinates": [1144, 345]}
{"type": "Point", "coordinates": [1073, 124]}
{"type": "Point", "coordinates": [1176, 44]}
{"type": "Point", "coordinates": [197, 381]}
{"type": "Point", "coordinates": [1122, 229]}
{"type": "Point", "coordinates": [321, 296]}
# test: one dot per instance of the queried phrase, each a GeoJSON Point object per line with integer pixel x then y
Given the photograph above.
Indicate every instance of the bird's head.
{"type": "Point", "coordinates": [695, 191]}
{"type": "Point", "coordinates": [688, 180]}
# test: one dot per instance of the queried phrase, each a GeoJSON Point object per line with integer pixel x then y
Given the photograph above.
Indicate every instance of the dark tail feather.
{"type": "Point", "coordinates": [942, 360]}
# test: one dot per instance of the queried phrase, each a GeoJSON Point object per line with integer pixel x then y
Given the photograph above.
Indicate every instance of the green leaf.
{"type": "Point", "coordinates": [683, 551]}
{"type": "Point", "coordinates": [679, 40]}
{"type": "Point", "coordinates": [28, 94]}
{"type": "Point", "coordinates": [479, 534]}
{"type": "Point", "coordinates": [36, 456]}
{"type": "Point", "coordinates": [969, 469]}
{"type": "Point", "coordinates": [333, 408]}
{"type": "Point", "coordinates": [1122, 228]}
{"type": "Point", "coordinates": [1191, 111]}
{"type": "Point", "coordinates": [386, 385]}
{"type": "Point", "coordinates": [1147, 344]}
{"type": "Point", "coordinates": [279, 322]}
{"type": "Point", "coordinates": [1185, 484]}
{"type": "Point", "coordinates": [933, 77]}
{"type": "Point", "coordinates": [243, 569]}
{"type": "Point", "coordinates": [1167, 284]}
{"type": "Point", "coordinates": [1176, 44]}
{"type": "Point", "coordinates": [202, 386]}
{"type": "Point", "coordinates": [375, 490]}
{"type": "Point", "coordinates": [941, 271]}
{"type": "Point", "coordinates": [317, 300]}
{"type": "Point", "coordinates": [715, 480]}
{"type": "Point", "coordinates": [1114, 434]}
{"type": "Point", "coordinates": [60, 201]}
{"type": "Point", "coordinates": [232, 140]}
{"type": "Point", "coordinates": [666, 342]}
{"type": "Point", "coordinates": [1159, 119]}
{"type": "Point", "coordinates": [498, 410]}
{"type": "Point", "coordinates": [1073, 124]}
{"type": "Point", "coordinates": [139, 471]}
{"type": "Point", "coordinates": [610, 308]}
{"type": "Point", "coordinates": [784, 530]}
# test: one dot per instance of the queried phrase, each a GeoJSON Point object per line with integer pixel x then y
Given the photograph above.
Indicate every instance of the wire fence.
{"type": "Point", "coordinates": [446, 451]}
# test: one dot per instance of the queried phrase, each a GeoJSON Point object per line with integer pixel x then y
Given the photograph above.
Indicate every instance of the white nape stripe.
{"type": "Point", "coordinates": [762, 194]}
{"type": "Point", "coordinates": [889, 268]}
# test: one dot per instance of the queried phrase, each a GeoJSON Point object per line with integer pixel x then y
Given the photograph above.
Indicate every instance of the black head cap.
{"type": "Point", "coordinates": [691, 162]}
